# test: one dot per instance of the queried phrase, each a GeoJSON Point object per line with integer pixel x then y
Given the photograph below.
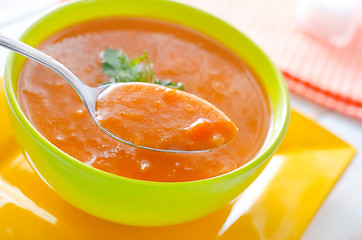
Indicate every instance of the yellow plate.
{"type": "Point", "coordinates": [278, 205]}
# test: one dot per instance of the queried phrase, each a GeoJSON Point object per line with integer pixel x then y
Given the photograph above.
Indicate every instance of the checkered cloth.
{"type": "Point", "coordinates": [325, 74]}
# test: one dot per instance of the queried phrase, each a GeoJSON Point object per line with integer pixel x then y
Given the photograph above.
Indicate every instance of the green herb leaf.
{"type": "Point", "coordinates": [120, 68]}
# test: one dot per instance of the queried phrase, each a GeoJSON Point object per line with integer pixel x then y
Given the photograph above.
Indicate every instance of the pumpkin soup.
{"type": "Point", "coordinates": [179, 54]}
{"type": "Point", "coordinates": [160, 117]}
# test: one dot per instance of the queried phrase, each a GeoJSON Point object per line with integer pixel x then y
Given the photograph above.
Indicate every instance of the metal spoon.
{"type": "Point", "coordinates": [88, 95]}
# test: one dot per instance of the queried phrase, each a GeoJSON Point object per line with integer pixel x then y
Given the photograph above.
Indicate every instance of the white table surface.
{"type": "Point", "coordinates": [340, 216]}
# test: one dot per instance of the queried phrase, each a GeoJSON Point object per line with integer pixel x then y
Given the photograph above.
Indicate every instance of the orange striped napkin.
{"type": "Point", "coordinates": [323, 73]}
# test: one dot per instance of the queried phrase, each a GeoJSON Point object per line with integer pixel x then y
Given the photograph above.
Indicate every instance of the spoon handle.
{"type": "Point", "coordinates": [45, 60]}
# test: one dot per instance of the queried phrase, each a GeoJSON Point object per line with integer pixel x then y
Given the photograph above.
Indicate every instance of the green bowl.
{"type": "Point", "coordinates": [125, 200]}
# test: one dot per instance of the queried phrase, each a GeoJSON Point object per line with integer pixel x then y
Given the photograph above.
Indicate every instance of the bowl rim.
{"type": "Point", "coordinates": [260, 158]}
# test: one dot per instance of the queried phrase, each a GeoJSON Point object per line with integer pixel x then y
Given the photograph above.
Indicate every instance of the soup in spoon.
{"type": "Point", "coordinates": [160, 117]}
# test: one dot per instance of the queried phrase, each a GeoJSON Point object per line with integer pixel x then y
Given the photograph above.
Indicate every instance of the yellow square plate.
{"type": "Point", "coordinates": [278, 205]}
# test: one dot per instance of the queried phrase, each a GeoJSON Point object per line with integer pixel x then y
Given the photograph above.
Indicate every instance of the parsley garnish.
{"type": "Point", "coordinates": [120, 68]}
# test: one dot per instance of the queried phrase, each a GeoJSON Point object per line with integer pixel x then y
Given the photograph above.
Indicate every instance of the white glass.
{"type": "Point", "coordinates": [332, 21]}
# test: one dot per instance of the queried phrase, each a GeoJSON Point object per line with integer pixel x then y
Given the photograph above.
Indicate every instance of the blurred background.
{"type": "Point", "coordinates": [317, 44]}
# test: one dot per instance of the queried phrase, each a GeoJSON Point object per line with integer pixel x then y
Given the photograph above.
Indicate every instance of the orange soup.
{"type": "Point", "coordinates": [206, 68]}
{"type": "Point", "coordinates": [160, 117]}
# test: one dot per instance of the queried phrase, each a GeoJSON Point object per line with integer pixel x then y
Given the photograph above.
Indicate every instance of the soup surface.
{"type": "Point", "coordinates": [206, 68]}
